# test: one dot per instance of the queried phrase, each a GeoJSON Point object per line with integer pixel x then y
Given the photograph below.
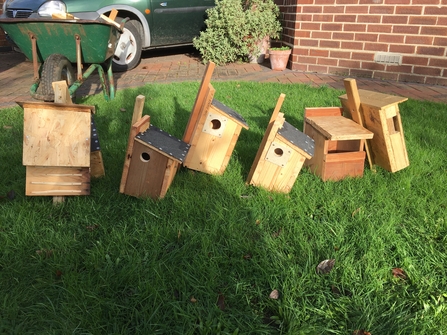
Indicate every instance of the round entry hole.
{"type": "Point", "coordinates": [145, 157]}
{"type": "Point", "coordinates": [278, 152]}
{"type": "Point", "coordinates": [215, 124]}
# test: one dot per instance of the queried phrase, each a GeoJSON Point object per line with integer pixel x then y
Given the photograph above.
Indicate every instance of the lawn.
{"type": "Point", "coordinates": [205, 259]}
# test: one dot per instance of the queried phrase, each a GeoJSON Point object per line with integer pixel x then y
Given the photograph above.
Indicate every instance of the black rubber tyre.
{"type": "Point", "coordinates": [128, 49]}
{"type": "Point", "coordinates": [55, 68]}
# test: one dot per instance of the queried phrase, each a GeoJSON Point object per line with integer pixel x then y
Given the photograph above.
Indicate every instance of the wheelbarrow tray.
{"type": "Point", "coordinates": [53, 36]}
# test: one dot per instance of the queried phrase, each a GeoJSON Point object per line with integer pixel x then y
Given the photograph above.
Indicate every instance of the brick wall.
{"type": "Point", "coordinates": [402, 40]}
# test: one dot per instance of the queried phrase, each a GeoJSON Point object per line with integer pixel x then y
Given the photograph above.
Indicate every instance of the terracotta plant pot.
{"type": "Point", "coordinates": [279, 59]}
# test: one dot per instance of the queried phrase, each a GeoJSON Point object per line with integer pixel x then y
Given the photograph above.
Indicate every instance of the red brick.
{"type": "Point", "coordinates": [430, 51]}
{"type": "Point", "coordinates": [356, 9]}
{"type": "Point", "coordinates": [440, 41]}
{"type": "Point", "coordinates": [411, 78]}
{"type": "Point", "coordinates": [327, 61]}
{"type": "Point", "coordinates": [413, 10]}
{"type": "Point", "coordinates": [354, 27]}
{"type": "Point", "coordinates": [385, 75]}
{"type": "Point", "coordinates": [427, 71]}
{"type": "Point", "coordinates": [366, 37]}
{"type": "Point", "coordinates": [381, 10]}
{"type": "Point", "coordinates": [319, 53]}
{"type": "Point", "coordinates": [317, 68]}
{"type": "Point", "coordinates": [345, 18]}
{"type": "Point", "coordinates": [423, 20]}
{"type": "Point", "coordinates": [340, 54]}
{"type": "Point", "coordinates": [397, 2]}
{"type": "Point", "coordinates": [324, 2]}
{"type": "Point", "coordinates": [299, 67]}
{"type": "Point", "coordinates": [392, 39]}
{"type": "Point", "coordinates": [312, 9]}
{"type": "Point", "coordinates": [411, 30]}
{"type": "Point", "coordinates": [333, 9]}
{"type": "Point", "coordinates": [426, 2]}
{"type": "Point", "coordinates": [435, 10]}
{"type": "Point", "coordinates": [352, 64]}
{"type": "Point", "coordinates": [400, 68]}
{"type": "Point", "coordinates": [379, 28]}
{"type": "Point", "coordinates": [343, 36]}
{"type": "Point", "coordinates": [373, 66]}
{"type": "Point", "coordinates": [301, 34]}
{"type": "Point", "coordinates": [414, 60]}
{"type": "Point", "coordinates": [436, 81]}
{"type": "Point", "coordinates": [301, 51]}
{"type": "Point", "coordinates": [428, 40]}
{"type": "Point", "coordinates": [371, 2]}
{"type": "Point", "coordinates": [347, 2]}
{"type": "Point", "coordinates": [307, 60]}
{"type": "Point", "coordinates": [306, 2]}
{"type": "Point", "coordinates": [442, 21]}
{"type": "Point", "coordinates": [323, 18]}
{"type": "Point", "coordinates": [365, 56]}
{"type": "Point", "coordinates": [321, 35]}
{"type": "Point", "coordinates": [351, 45]}
{"type": "Point", "coordinates": [368, 18]}
{"type": "Point", "coordinates": [395, 19]}
{"type": "Point", "coordinates": [310, 26]}
{"type": "Point", "coordinates": [304, 17]}
{"type": "Point", "coordinates": [403, 49]}
{"type": "Point", "coordinates": [361, 73]}
{"type": "Point", "coordinates": [339, 71]}
{"type": "Point", "coordinates": [376, 47]}
{"type": "Point", "coordinates": [308, 42]}
{"type": "Point", "coordinates": [440, 31]}
{"type": "Point", "coordinates": [331, 26]}
{"type": "Point", "coordinates": [329, 44]}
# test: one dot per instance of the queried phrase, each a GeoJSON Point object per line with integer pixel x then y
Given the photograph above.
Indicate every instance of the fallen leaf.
{"type": "Point", "coordinates": [193, 300]}
{"type": "Point", "coordinates": [399, 273]}
{"type": "Point", "coordinates": [335, 290]}
{"type": "Point", "coordinates": [277, 233]}
{"type": "Point", "coordinates": [247, 256]}
{"type": "Point", "coordinates": [7, 127]}
{"type": "Point", "coordinates": [258, 222]}
{"type": "Point", "coordinates": [92, 227]}
{"type": "Point", "coordinates": [274, 295]}
{"type": "Point", "coordinates": [122, 110]}
{"type": "Point", "coordinates": [58, 274]}
{"type": "Point", "coordinates": [356, 211]}
{"type": "Point", "coordinates": [45, 252]}
{"type": "Point", "coordinates": [179, 234]}
{"type": "Point", "coordinates": [360, 332]}
{"type": "Point", "coordinates": [325, 266]}
{"type": "Point", "coordinates": [221, 301]}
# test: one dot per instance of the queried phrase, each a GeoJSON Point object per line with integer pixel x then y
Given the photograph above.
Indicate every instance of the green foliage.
{"type": "Point", "coordinates": [235, 28]}
{"type": "Point", "coordinates": [108, 263]}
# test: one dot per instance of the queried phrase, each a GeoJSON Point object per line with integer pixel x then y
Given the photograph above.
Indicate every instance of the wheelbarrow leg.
{"type": "Point", "coordinates": [111, 80]}
{"type": "Point", "coordinates": [102, 78]}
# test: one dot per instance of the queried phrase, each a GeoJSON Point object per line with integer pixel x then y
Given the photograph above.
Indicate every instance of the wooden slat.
{"type": "Point", "coordinates": [136, 116]}
{"type": "Point", "coordinates": [113, 14]}
{"type": "Point", "coordinates": [339, 128]}
{"type": "Point", "coordinates": [200, 100]}
{"type": "Point", "coordinates": [357, 114]}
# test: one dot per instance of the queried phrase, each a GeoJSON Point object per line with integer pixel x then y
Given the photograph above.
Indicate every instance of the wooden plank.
{"type": "Point", "coordinates": [113, 14]}
{"type": "Point", "coordinates": [339, 128]}
{"type": "Point", "coordinates": [57, 181]}
{"type": "Point", "coordinates": [61, 93]}
{"type": "Point", "coordinates": [200, 100]}
{"type": "Point", "coordinates": [357, 114]}
{"type": "Point", "coordinates": [96, 164]}
{"type": "Point", "coordinates": [376, 99]}
{"type": "Point", "coordinates": [136, 116]}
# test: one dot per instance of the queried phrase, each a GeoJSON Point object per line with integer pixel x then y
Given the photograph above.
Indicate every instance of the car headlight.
{"type": "Point", "coordinates": [52, 7]}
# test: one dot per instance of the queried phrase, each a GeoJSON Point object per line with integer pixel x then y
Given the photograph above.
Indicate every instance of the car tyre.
{"type": "Point", "coordinates": [55, 68]}
{"type": "Point", "coordinates": [128, 50]}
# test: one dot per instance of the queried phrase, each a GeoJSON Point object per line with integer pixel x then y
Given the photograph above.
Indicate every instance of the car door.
{"type": "Point", "coordinates": [177, 21]}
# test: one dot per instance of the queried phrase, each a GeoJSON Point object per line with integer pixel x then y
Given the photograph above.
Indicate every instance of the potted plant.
{"type": "Point", "coordinates": [279, 57]}
{"type": "Point", "coordinates": [236, 29]}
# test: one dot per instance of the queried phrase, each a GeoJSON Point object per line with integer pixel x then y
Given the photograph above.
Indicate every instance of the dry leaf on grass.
{"type": "Point", "coordinates": [221, 301]}
{"type": "Point", "coordinates": [399, 273]}
{"type": "Point", "coordinates": [193, 300]}
{"type": "Point", "coordinates": [274, 295]}
{"type": "Point", "coordinates": [325, 266]}
{"type": "Point", "coordinates": [356, 211]}
{"type": "Point", "coordinates": [360, 332]}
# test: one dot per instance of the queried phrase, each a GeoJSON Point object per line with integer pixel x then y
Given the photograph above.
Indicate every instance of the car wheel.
{"type": "Point", "coordinates": [128, 50]}
{"type": "Point", "coordinates": [55, 68]}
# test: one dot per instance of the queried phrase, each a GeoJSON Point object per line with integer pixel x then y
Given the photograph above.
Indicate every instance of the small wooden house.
{"type": "Point", "coordinates": [212, 130]}
{"type": "Point", "coordinates": [56, 148]}
{"type": "Point", "coordinates": [153, 161]}
{"type": "Point", "coordinates": [380, 115]}
{"type": "Point", "coordinates": [281, 154]}
{"type": "Point", "coordinates": [339, 143]}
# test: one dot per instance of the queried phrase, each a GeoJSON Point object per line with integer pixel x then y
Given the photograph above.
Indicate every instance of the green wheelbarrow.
{"type": "Point", "coordinates": [57, 44]}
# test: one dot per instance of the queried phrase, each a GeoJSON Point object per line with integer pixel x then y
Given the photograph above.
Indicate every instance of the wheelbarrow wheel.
{"type": "Point", "coordinates": [128, 50]}
{"type": "Point", "coordinates": [55, 68]}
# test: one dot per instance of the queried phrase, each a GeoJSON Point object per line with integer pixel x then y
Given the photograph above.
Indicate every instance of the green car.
{"type": "Point", "coordinates": [151, 24]}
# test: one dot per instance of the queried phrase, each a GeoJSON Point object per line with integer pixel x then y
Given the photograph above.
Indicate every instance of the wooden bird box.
{"type": "Point", "coordinates": [339, 143]}
{"type": "Point", "coordinates": [153, 162]}
{"type": "Point", "coordinates": [380, 113]}
{"type": "Point", "coordinates": [281, 154]}
{"type": "Point", "coordinates": [56, 148]}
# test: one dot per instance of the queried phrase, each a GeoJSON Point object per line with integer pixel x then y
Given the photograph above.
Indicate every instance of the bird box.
{"type": "Point", "coordinates": [339, 143]}
{"type": "Point", "coordinates": [154, 159]}
{"type": "Point", "coordinates": [281, 154]}
{"type": "Point", "coordinates": [380, 113]}
{"type": "Point", "coordinates": [56, 148]}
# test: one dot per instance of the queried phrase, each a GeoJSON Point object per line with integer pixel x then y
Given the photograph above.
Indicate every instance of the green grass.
{"type": "Point", "coordinates": [108, 263]}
